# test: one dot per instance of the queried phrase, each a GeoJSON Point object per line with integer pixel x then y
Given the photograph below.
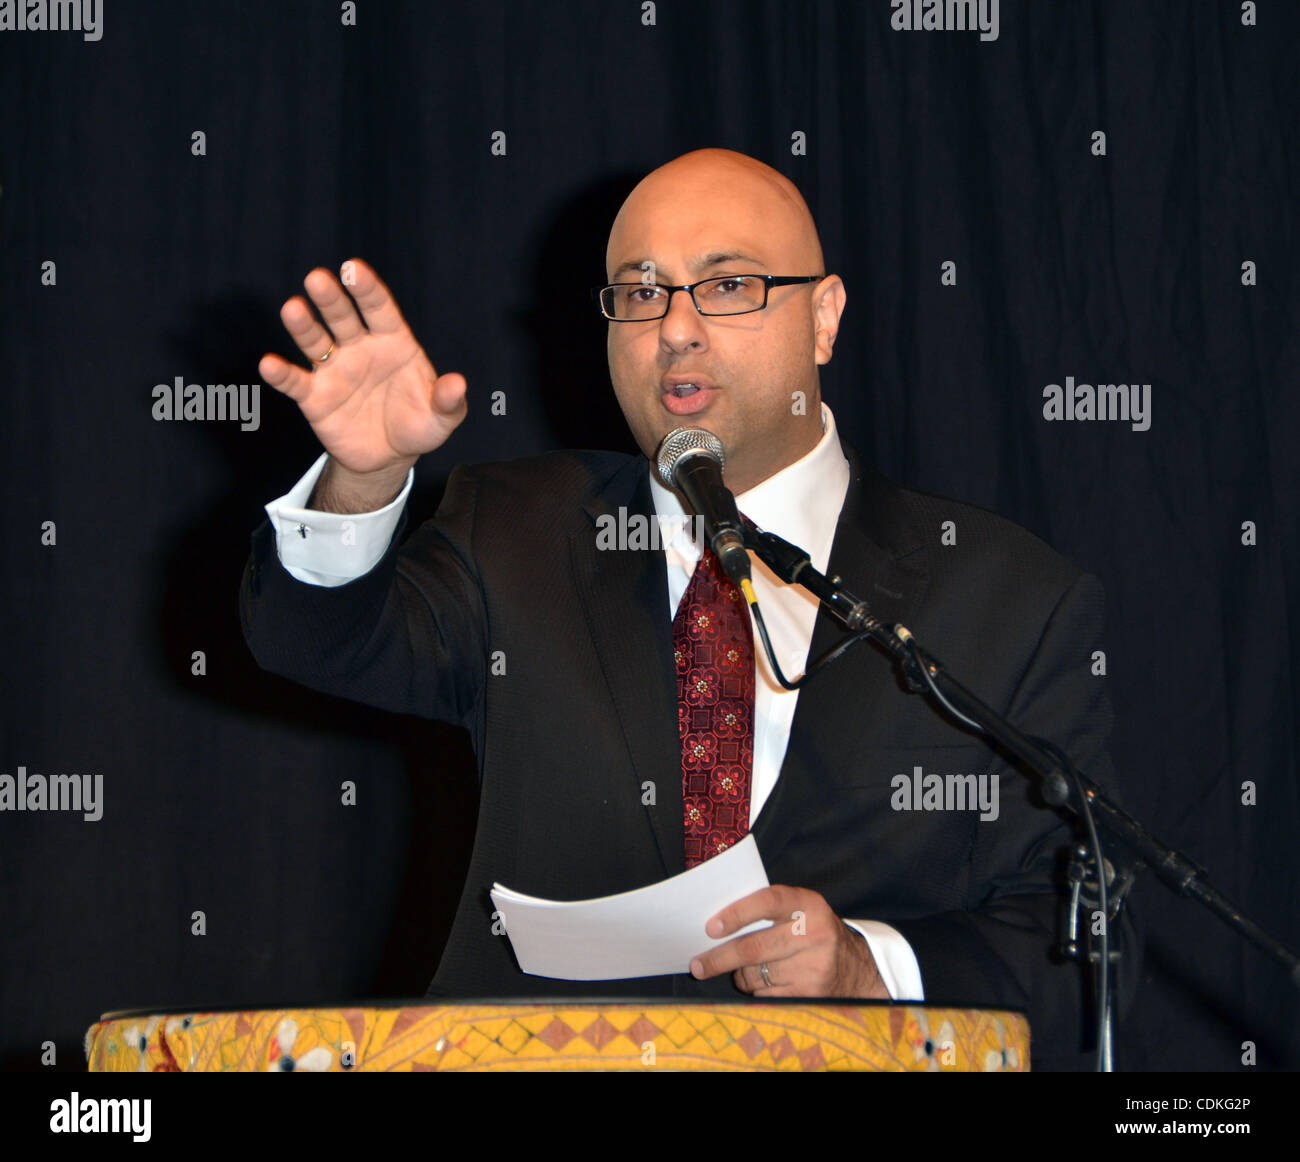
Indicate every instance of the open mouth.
{"type": "Point", "coordinates": [684, 399]}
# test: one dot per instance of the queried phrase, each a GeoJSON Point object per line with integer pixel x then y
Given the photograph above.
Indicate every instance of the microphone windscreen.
{"type": "Point", "coordinates": [680, 444]}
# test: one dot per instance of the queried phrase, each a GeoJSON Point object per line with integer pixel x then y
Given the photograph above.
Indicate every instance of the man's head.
{"type": "Point", "coordinates": [704, 214]}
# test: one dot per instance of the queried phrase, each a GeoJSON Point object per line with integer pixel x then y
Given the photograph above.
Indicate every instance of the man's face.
{"type": "Point", "coordinates": [754, 375]}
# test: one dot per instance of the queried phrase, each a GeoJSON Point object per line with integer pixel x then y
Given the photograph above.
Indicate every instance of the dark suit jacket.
{"type": "Point", "coordinates": [584, 715]}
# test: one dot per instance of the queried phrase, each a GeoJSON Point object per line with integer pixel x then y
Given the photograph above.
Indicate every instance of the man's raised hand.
{"type": "Point", "coordinates": [375, 403]}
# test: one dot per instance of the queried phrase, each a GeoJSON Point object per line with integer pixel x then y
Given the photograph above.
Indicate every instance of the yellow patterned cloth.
{"type": "Point", "coordinates": [558, 1037]}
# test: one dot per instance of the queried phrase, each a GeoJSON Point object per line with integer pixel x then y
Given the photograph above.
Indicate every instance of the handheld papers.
{"type": "Point", "coordinates": [652, 931]}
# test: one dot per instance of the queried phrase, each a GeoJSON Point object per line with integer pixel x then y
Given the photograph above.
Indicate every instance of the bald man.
{"type": "Point", "coordinates": [751, 367]}
{"type": "Point", "coordinates": [720, 314]}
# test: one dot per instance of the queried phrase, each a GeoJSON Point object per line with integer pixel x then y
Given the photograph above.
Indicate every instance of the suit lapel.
{"type": "Point", "coordinates": [875, 552]}
{"type": "Point", "coordinates": [624, 596]}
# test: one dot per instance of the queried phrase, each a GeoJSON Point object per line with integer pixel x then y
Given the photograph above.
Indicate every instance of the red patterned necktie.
{"type": "Point", "coordinates": [713, 647]}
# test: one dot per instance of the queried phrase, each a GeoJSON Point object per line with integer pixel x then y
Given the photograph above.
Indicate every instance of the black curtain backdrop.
{"type": "Point", "coordinates": [222, 789]}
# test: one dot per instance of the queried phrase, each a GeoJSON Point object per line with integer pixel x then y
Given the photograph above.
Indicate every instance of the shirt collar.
{"type": "Point", "coordinates": [801, 502]}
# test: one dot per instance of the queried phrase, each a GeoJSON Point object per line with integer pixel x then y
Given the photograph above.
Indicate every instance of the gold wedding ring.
{"type": "Point", "coordinates": [326, 355]}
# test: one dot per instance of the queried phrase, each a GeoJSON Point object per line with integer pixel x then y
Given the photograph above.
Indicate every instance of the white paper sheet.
{"type": "Point", "coordinates": [652, 931]}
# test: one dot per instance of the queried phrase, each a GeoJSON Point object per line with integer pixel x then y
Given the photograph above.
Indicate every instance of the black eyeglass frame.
{"type": "Point", "coordinates": [768, 280]}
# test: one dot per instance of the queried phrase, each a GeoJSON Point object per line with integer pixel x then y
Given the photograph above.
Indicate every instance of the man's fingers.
{"type": "Point", "coordinates": [304, 329]}
{"type": "Point", "coordinates": [287, 378]}
{"type": "Point", "coordinates": [765, 904]}
{"type": "Point", "coordinates": [749, 979]}
{"type": "Point", "coordinates": [376, 304]}
{"type": "Point", "coordinates": [768, 944]}
{"type": "Point", "coordinates": [449, 393]}
{"type": "Point", "coordinates": [336, 308]}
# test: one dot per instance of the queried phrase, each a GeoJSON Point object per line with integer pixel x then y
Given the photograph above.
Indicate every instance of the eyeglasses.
{"type": "Point", "coordinates": [732, 294]}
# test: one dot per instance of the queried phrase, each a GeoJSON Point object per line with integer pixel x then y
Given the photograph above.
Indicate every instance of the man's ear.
{"type": "Point", "coordinates": [828, 305]}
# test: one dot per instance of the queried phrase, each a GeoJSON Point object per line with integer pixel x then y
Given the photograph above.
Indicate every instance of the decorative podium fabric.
{"type": "Point", "coordinates": [604, 1036]}
{"type": "Point", "coordinates": [713, 649]}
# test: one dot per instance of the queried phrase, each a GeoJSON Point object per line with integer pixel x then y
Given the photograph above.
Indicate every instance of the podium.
{"type": "Point", "coordinates": [564, 1036]}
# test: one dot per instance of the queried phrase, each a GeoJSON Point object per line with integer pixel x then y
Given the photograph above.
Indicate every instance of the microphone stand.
{"type": "Point", "coordinates": [923, 673]}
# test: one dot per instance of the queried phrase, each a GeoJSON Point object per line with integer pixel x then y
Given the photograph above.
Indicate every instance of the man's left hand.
{"type": "Point", "coordinates": [809, 951]}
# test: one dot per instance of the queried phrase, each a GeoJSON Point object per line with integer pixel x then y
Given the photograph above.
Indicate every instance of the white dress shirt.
{"type": "Point", "coordinates": [801, 503]}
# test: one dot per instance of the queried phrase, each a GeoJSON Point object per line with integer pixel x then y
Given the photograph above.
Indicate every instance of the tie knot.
{"type": "Point", "coordinates": [723, 586]}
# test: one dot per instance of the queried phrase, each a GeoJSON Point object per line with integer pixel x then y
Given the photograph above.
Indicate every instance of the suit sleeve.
{"type": "Point", "coordinates": [997, 950]}
{"type": "Point", "coordinates": [407, 636]}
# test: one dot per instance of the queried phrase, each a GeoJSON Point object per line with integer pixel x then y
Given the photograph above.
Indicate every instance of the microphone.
{"type": "Point", "coordinates": [691, 461]}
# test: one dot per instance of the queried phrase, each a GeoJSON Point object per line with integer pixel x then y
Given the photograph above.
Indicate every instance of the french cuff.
{"type": "Point", "coordinates": [331, 548]}
{"type": "Point", "coordinates": [894, 959]}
